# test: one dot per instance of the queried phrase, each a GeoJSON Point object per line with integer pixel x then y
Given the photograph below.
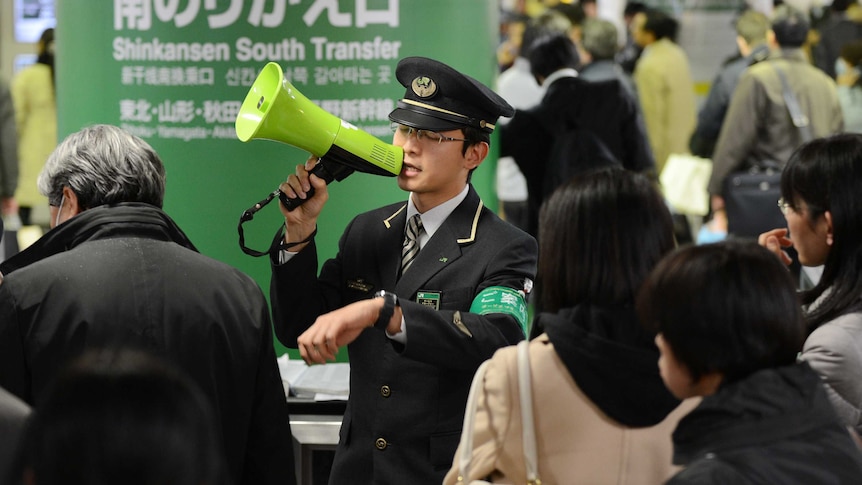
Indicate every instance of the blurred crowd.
{"type": "Point", "coordinates": [637, 44]}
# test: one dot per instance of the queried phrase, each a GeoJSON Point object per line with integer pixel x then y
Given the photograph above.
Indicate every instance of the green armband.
{"type": "Point", "coordinates": [500, 299]}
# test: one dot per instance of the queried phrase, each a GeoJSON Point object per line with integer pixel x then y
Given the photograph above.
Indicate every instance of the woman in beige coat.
{"type": "Point", "coordinates": [601, 411]}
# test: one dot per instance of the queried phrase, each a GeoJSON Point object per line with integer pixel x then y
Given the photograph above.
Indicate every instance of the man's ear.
{"type": "Point", "coordinates": [71, 202]}
{"type": "Point", "coordinates": [771, 40]}
{"type": "Point", "coordinates": [742, 45]}
{"type": "Point", "coordinates": [475, 154]}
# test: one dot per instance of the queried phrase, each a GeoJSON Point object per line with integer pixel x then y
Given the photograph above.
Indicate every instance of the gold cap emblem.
{"type": "Point", "coordinates": [424, 87]}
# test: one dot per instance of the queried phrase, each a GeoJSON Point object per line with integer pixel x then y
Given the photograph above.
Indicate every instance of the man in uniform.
{"type": "Point", "coordinates": [416, 324]}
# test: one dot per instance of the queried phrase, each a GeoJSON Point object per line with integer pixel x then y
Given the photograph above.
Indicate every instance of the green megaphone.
{"type": "Point", "coordinates": [275, 110]}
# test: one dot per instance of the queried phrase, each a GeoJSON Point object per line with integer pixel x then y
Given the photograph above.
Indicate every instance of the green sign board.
{"type": "Point", "coordinates": [175, 72]}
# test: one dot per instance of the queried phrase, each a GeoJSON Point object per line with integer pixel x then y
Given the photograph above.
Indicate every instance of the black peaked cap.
{"type": "Point", "coordinates": [439, 98]}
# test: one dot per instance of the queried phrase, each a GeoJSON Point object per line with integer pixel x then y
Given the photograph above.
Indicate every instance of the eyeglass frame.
{"type": "Point", "coordinates": [784, 206]}
{"type": "Point", "coordinates": [422, 134]}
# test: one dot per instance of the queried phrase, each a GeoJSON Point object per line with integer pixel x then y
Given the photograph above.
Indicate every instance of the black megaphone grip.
{"type": "Point", "coordinates": [326, 171]}
{"type": "Point", "coordinates": [291, 204]}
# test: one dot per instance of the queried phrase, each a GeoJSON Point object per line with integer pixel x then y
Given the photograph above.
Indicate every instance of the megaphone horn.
{"type": "Point", "coordinates": [275, 110]}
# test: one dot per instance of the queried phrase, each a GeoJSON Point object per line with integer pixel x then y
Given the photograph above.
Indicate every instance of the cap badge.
{"type": "Point", "coordinates": [424, 87]}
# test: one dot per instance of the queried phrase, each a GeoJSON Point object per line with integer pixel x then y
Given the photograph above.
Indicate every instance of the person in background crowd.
{"type": "Point", "coordinates": [591, 8]}
{"type": "Point", "coordinates": [33, 94]}
{"type": "Point", "coordinates": [574, 12]}
{"type": "Point", "coordinates": [758, 128]}
{"type": "Point", "coordinates": [751, 30]}
{"type": "Point", "coordinates": [631, 51]}
{"type": "Point", "coordinates": [664, 84]}
{"type": "Point", "coordinates": [598, 49]}
{"type": "Point", "coordinates": [115, 416]}
{"type": "Point", "coordinates": [820, 200]}
{"type": "Point", "coordinates": [8, 175]}
{"type": "Point", "coordinates": [579, 125]}
{"type": "Point", "coordinates": [512, 27]}
{"type": "Point", "coordinates": [421, 292]}
{"type": "Point", "coordinates": [116, 270]}
{"type": "Point", "coordinates": [729, 329]}
{"type": "Point", "coordinates": [836, 31]}
{"type": "Point", "coordinates": [849, 82]}
{"type": "Point", "coordinates": [519, 88]}
{"type": "Point", "coordinates": [604, 415]}
{"type": "Point", "coordinates": [8, 154]}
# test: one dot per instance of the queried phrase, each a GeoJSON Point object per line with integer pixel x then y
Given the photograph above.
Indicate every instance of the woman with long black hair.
{"type": "Point", "coordinates": [820, 200]}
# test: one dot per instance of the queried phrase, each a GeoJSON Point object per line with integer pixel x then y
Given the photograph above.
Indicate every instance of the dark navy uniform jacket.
{"type": "Point", "coordinates": [406, 404]}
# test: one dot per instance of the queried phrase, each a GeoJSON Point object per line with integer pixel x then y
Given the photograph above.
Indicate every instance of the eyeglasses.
{"type": "Point", "coordinates": [785, 207]}
{"type": "Point", "coordinates": [431, 136]}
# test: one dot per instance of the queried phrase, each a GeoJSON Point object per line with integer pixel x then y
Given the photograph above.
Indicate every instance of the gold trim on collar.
{"type": "Point", "coordinates": [475, 223]}
{"type": "Point", "coordinates": [386, 221]}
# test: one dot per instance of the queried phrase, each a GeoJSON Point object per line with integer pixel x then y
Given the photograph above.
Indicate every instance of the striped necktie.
{"type": "Point", "coordinates": [411, 242]}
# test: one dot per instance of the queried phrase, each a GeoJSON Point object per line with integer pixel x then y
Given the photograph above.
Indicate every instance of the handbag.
{"type": "Point", "coordinates": [528, 437]}
{"type": "Point", "coordinates": [684, 179]}
{"type": "Point", "coordinates": [750, 196]}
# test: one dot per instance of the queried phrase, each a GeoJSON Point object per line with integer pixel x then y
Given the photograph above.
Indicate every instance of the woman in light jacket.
{"type": "Point", "coordinates": [820, 200]}
{"type": "Point", "coordinates": [36, 118]}
{"type": "Point", "coordinates": [601, 411]}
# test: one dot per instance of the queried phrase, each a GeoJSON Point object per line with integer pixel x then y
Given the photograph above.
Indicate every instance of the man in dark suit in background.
{"type": "Point", "coordinates": [417, 329]}
{"type": "Point", "coordinates": [599, 123]}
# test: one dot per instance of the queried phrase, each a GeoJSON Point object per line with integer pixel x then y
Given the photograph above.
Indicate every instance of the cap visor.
{"type": "Point", "coordinates": [422, 121]}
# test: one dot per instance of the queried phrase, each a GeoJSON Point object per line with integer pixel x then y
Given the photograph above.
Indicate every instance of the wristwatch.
{"type": "Point", "coordinates": [390, 301]}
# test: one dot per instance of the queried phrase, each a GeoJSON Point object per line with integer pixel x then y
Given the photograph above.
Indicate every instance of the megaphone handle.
{"type": "Point", "coordinates": [327, 172]}
{"type": "Point", "coordinates": [291, 204]}
{"type": "Point", "coordinates": [321, 171]}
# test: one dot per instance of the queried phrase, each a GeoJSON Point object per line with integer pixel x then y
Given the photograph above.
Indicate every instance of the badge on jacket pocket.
{"type": "Point", "coordinates": [429, 299]}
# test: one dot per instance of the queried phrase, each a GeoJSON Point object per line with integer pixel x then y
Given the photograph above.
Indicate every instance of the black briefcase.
{"type": "Point", "coordinates": [751, 201]}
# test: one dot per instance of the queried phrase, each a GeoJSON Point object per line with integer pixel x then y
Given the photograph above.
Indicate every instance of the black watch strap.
{"type": "Point", "coordinates": [390, 301]}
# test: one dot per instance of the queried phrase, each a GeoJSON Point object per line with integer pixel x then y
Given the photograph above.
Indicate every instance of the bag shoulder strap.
{"type": "Point", "coordinates": [529, 433]}
{"type": "Point", "coordinates": [466, 445]}
{"type": "Point", "coordinates": [526, 393]}
{"type": "Point", "coordinates": [800, 121]}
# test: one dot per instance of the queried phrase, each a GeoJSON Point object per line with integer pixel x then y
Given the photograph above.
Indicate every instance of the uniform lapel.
{"type": "Point", "coordinates": [391, 241]}
{"type": "Point", "coordinates": [444, 248]}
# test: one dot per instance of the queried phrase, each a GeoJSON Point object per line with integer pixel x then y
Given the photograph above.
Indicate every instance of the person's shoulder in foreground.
{"type": "Point", "coordinates": [763, 415]}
